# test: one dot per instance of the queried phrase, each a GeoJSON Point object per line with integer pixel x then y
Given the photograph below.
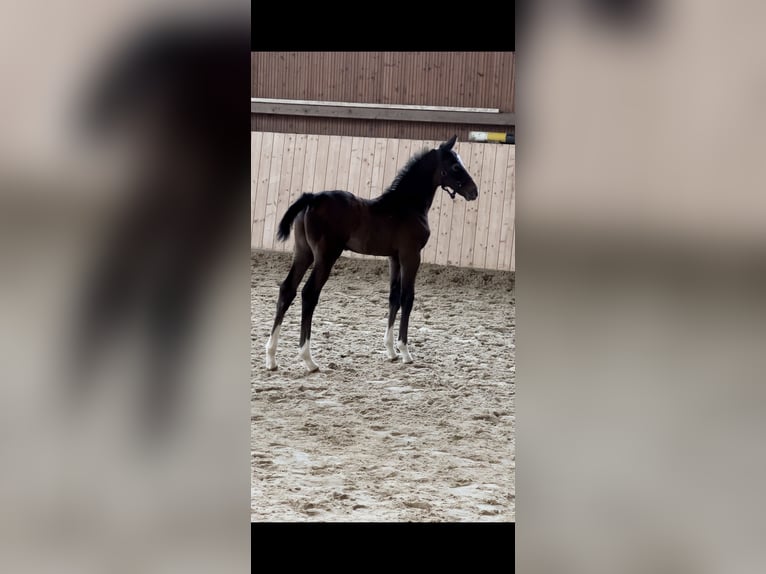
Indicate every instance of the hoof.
{"type": "Point", "coordinates": [308, 360]}
{"type": "Point", "coordinates": [271, 364]}
{"type": "Point", "coordinates": [404, 350]}
{"type": "Point", "coordinates": [310, 365]}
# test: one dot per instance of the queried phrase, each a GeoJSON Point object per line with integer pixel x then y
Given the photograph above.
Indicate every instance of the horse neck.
{"type": "Point", "coordinates": [417, 188]}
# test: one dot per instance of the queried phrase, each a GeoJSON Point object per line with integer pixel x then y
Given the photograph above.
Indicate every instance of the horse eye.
{"type": "Point", "coordinates": [455, 167]}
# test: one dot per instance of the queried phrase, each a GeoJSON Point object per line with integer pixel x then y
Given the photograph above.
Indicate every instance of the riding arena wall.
{"type": "Point", "coordinates": [351, 120]}
{"type": "Point", "coordinates": [478, 234]}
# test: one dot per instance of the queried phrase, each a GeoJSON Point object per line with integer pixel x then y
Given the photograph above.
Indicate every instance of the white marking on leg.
{"type": "Point", "coordinates": [271, 349]}
{"type": "Point", "coordinates": [389, 342]}
{"type": "Point", "coordinates": [305, 355]}
{"type": "Point", "coordinates": [406, 357]}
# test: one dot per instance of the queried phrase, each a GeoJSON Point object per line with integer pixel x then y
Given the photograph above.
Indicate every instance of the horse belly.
{"type": "Point", "coordinates": [368, 245]}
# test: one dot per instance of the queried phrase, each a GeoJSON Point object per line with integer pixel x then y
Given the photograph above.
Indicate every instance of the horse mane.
{"type": "Point", "coordinates": [406, 170]}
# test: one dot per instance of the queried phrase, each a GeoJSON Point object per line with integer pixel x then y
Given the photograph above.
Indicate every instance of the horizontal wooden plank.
{"type": "Point", "coordinates": [366, 105]}
{"type": "Point", "coordinates": [410, 115]}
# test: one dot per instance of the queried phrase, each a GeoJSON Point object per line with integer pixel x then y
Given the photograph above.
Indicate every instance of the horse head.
{"type": "Point", "coordinates": [452, 174]}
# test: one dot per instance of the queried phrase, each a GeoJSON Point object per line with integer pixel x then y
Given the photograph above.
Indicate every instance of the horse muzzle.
{"type": "Point", "coordinates": [470, 192]}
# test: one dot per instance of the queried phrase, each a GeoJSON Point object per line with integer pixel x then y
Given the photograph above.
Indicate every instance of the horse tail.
{"type": "Point", "coordinates": [292, 212]}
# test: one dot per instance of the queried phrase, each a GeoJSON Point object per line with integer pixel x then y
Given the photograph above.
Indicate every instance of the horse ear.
{"type": "Point", "coordinates": [448, 144]}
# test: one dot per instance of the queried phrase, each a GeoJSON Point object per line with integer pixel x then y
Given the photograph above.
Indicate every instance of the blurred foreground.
{"type": "Point", "coordinates": [641, 276]}
{"type": "Point", "coordinates": [123, 281]}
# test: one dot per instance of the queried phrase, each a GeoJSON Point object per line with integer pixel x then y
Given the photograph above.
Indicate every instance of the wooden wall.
{"type": "Point", "coordinates": [478, 234]}
{"type": "Point", "coordinates": [463, 79]}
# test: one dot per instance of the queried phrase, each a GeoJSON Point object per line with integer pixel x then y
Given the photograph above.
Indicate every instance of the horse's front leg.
{"type": "Point", "coordinates": [409, 270]}
{"type": "Point", "coordinates": [394, 302]}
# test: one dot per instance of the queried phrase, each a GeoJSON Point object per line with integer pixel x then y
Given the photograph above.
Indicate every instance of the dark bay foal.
{"type": "Point", "coordinates": [394, 224]}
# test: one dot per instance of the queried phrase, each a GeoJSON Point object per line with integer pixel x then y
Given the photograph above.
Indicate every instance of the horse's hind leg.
{"type": "Point", "coordinates": [287, 290]}
{"type": "Point", "coordinates": [325, 259]}
{"type": "Point", "coordinates": [394, 302]}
